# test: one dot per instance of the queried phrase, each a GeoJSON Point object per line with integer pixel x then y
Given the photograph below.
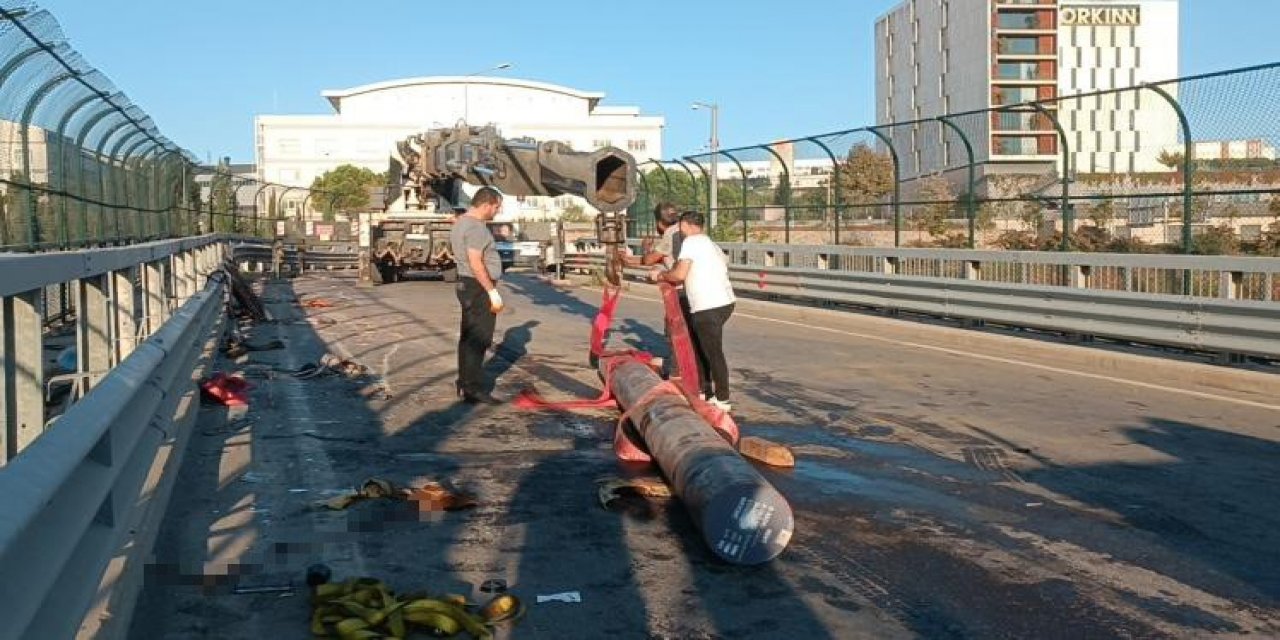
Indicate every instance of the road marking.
{"type": "Point", "coordinates": [1010, 361]}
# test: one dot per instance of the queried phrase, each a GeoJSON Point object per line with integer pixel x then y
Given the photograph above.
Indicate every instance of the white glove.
{"type": "Point", "coordinates": [495, 301]}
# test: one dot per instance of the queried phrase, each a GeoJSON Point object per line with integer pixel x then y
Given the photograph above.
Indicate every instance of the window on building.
{"type": "Point", "coordinates": [289, 146]}
{"type": "Point", "coordinates": [1013, 45]}
{"type": "Point", "coordinates": [326, 146]}
{"type": "Point", "coordinates": [636, 145]}
{"type": "Point", "coordinates": [602, 142]}
{"type": "Point", "coordinates": [1016, 146]}
{"type": "Point", "coordinates": [1017, 71]}
{"type": "Point", "coordinates": [1013, 20]}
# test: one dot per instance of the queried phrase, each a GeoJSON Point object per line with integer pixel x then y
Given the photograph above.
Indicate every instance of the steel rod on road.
{"type": "Point", "coordinates": [741, 516]}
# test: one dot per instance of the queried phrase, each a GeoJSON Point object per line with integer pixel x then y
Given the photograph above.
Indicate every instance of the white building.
{"type": "Point", "coordinates": [938, 57]}
{"type": "Point", "coordinates": [1256, 149]}
{"type": "Point", "coordinates": [368, 120]}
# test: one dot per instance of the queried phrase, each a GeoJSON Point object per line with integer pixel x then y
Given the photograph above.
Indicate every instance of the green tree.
{"type": "Point", "coordinates": [677, 188]}
{"type": "Point", "coordinates": [1269, 243]}
{"type": "Point", "coordinates": [1102, 213]}
{"type": "Point", "coordinates": [1216, 241]}
{"type": "Point", "coordinates": [866, 176]}
{"type": "Point", "coordinates": [939, 202]}
{"type": "Point", "coordinates": [574, 213]}
{"type": "Point", "coordinates": [344, 188]}
{"type": "Point", "coordinates": [782, 193]}
{"type": "Point", "coordinates": [222, 198]}
{"type": "Point", "coordinates": [1171, 159]}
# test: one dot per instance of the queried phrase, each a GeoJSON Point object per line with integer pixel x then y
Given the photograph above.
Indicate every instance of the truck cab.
{"type": "Point", "coordinates": [411, 242]}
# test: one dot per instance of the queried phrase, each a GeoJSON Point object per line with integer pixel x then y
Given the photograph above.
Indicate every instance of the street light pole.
{"type": "Point", "coordinates": [715, 153]}
{"type": "Point", "coordinates": [466, 89]}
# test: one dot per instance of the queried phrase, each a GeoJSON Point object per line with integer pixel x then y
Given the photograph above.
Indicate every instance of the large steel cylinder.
{"type": "Point", "coordinates": [741, 516]}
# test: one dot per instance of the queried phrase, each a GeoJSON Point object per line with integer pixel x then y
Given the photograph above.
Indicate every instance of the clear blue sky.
{"type": "Point", "coordinates": [778, 69]}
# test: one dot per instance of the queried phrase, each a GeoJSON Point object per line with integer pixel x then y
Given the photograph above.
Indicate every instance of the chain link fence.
{"type": "Point", "coordinates": [82, 166]}
{"type": "Point", "coordinates": [1188, 165]}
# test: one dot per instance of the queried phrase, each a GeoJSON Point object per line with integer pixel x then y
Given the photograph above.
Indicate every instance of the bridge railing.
{"type": "Point", "coordinates": [1232, 306]}
{"type": "Point", "coordinates": [1227, 277]}
{"type": "Point", "coordinates": [71, 487]}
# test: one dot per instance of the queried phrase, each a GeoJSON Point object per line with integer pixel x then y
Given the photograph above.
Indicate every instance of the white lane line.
{"type": "Point", "coordinates": [989, 358]}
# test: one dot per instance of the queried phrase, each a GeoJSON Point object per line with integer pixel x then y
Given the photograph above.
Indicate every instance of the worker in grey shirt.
{"type": "Point", "coordinates": [479, 269]}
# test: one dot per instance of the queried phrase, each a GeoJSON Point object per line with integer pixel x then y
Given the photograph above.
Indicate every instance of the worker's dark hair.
{"type": "Point", "coordinates": [666, 213]}
{"type": "Point", "coordinates": [486, 195]}
{"type": "Point", "coordinates": [694, 218]}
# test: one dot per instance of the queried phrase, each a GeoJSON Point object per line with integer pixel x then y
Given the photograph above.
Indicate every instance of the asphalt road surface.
{"type": "Point", "coordinates": [950, 483]}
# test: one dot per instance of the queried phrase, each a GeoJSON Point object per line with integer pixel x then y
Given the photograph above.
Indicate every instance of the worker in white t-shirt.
{"type": "Point", "coordinates": [702, 269]}
{"type": "Point", "coordinates": [663, 251]}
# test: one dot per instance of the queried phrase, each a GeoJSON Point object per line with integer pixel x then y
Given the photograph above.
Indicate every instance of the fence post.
{"type": "Point", "coordinates": [122, 295]}
{"type": "Point", "coordinates": [1188, 175]}
{"type": "Point", "coordinates": [746, 187]}
{"type": "Point", "coordinates": [786, 204]}
{"type": "Point", "coordinates": [835, 186]}
{"type": "Point", "coordinates": [256, 215]}
{"type": "Point", "coordinates": [666, 179]}
{"type": "Point", "coordinates": [1068, 216]}
{"type": "Point", "coordinates": [5, 73]}
{"type": "Point", "coordinates": [120, 181]}
{"type": "Point", "coordinates": [706, 178]}
{"type": "Point", "coordinates": [897, 184]}
{"type": "Point", "coordinates": [24, 131]}
{"type": "Point", "coordinates": [280, 206]}
{"type": "Point", "coordinates": [93, 328]}
{"type": "Point", "coordinates": [106, 168]}
{"type": "Point", "coordinates": [81, 141]}
{"type": "Point", "coordinates": [21, 373]}
{"type": "Point", "coordinates": [1188, 163]}
{"type": "Point", "coordinates": [972, 204]}
{"type": "Point", "coordinates": [693, 182]}
{"type": "Point", "coordinates": [131, 195]}
{"type": "Point", "coordinates": [62, 161]}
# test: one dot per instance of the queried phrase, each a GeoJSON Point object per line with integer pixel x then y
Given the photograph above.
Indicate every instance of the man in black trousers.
{"type": "Point", "coordinates": [479, 268]}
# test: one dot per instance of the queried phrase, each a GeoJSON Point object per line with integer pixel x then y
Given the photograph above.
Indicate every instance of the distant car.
{"type": "Point", "coordinates": [528, 253]}
{"type": "Point", "coordinates": [506, 253]}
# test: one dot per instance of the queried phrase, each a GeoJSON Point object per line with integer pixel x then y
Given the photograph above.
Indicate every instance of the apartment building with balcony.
{"type": "Point", "coordinates": [938, 57]}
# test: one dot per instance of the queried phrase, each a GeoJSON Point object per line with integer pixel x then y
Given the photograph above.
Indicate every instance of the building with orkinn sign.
{"type": "Point", "coordinates": [939, 57]}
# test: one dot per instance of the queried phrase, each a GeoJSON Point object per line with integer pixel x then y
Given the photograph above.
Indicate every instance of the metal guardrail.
{"type": "Point", "coordinates": [257, 256]}
{"type": "Point", "coordinates": [68, 490]}
{"type": "Point", "coordinates": [67, 497]}
{"type": "Point", "coordinates": [1227, 277]}
{"type": "Point", "coordinates": [952, 284]}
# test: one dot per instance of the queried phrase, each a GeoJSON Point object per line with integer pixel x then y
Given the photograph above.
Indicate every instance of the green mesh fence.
{"type": "Point", "coordinates": [81, 165]}
{"type": "Point", "coordinates": [1193, 168]}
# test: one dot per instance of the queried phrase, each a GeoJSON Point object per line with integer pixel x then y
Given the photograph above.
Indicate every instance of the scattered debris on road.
{"type": "Point", "coordinates": [614, 489]}
{"type": "Point", "coordinates": [317, 303]}
{"type": "Point", "coordinates": [431, 496]}
{"type": "Point", "coordinates": [570, 597]}
{"type": "Point", "coordinates": [766, 451]}
{"type": "Point", "coordinates": [227, 390]}
{"type": "Point", "coordinates": [367, 608]}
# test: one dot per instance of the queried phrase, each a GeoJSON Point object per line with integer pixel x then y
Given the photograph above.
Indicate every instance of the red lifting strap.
{"type": "Point", "coordinates": [626, 445]}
